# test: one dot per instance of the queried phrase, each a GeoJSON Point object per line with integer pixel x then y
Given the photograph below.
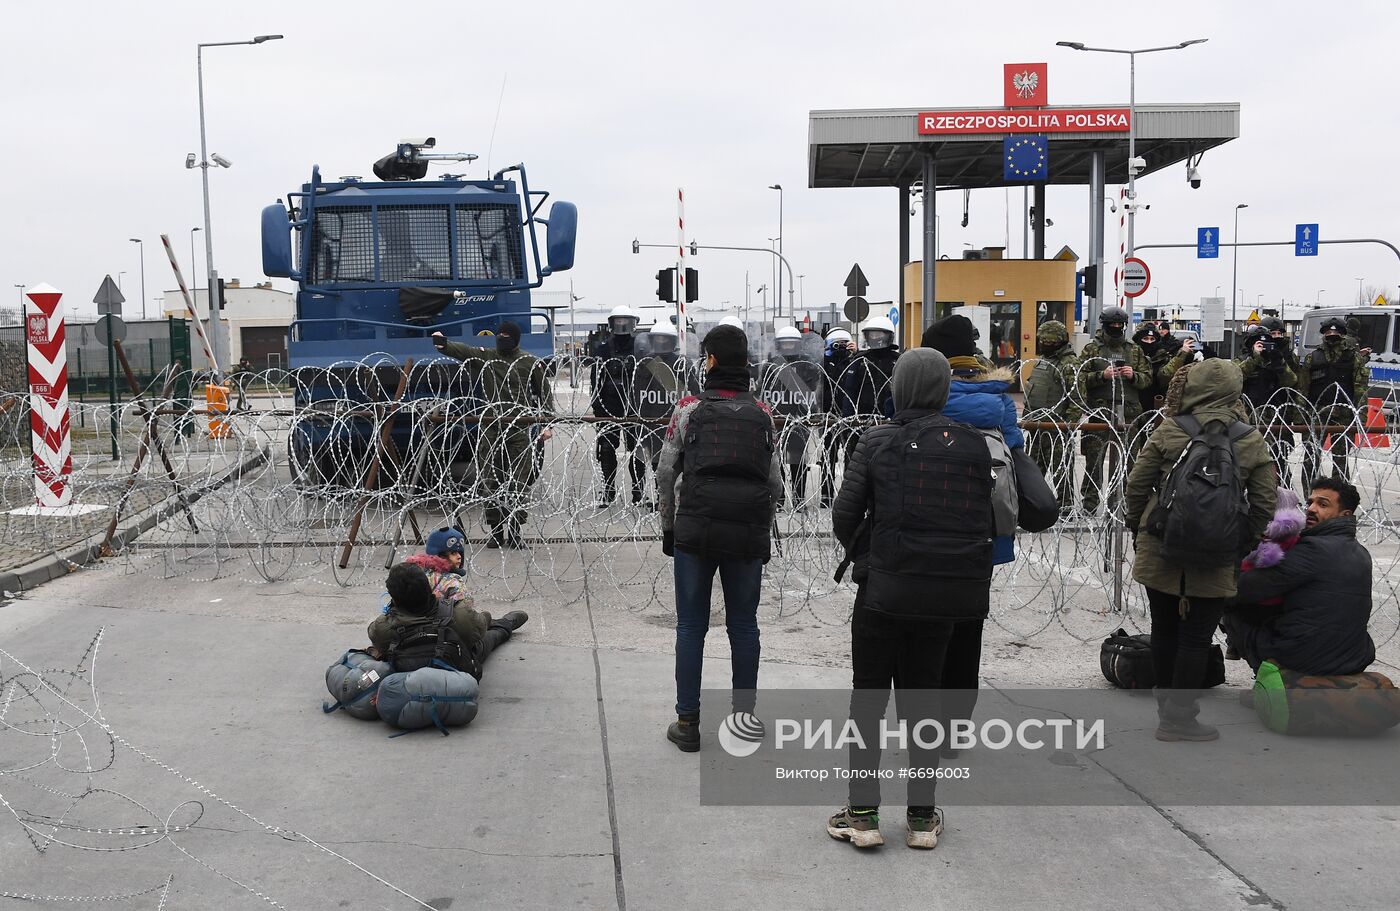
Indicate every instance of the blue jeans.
{"type": "Point", "coordinates": [741, 581]}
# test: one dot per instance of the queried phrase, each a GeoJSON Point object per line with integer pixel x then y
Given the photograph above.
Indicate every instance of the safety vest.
{"type": "Point", "coordinates": [724, 508]}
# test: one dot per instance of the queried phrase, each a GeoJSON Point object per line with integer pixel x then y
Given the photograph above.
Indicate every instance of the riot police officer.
{"type": "Point", "coordinates": [661, 379]}
{"type": "Point", "coordinates": [866, 385]}
{"type": "Point", "coordinates": [836, 361]}
{"type": "Point", "coordinates": [1051, 395]}
{"type": "Point", "coordinates": [1269, 378]}
{"type": "Point", "coordinates": [1334, 380]}
{"type": "Point", "coordinates": [1112, 373]}
{"type": "Point", "coordinates": [790, 382]}
{"type": "Point", "coordinates": [612, 379]}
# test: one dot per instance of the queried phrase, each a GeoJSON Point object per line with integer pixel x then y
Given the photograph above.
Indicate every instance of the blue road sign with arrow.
{"type": "Point", "coordinates": [1305, 240]}
{"type": "Point", "coordinates": [1207, 243]}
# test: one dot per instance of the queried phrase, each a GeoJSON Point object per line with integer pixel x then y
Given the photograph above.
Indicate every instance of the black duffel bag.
{"type": "Point", "coordinates": [1126, 662]}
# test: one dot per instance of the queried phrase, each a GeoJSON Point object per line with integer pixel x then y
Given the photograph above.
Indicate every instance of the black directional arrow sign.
{"type": "Point", "coordinates": [856, 283]}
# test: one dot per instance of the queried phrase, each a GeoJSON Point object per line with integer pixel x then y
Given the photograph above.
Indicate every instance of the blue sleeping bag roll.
{"type": "Point", "coordinates": [428, 696]}
{"type": "Point", "coordinates": [352, 682]}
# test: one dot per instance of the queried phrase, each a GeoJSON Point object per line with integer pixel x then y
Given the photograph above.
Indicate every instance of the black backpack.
{"type": "Point", "coordinates": [1126, 662]}
{"type": "Point", "coordinates": [431, 642]}
{"type": "Point", "coordinates": [1202, 514]}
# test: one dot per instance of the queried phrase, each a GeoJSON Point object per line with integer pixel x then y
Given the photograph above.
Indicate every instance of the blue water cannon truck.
{"type": "Point", "coordinates": [382, 265]}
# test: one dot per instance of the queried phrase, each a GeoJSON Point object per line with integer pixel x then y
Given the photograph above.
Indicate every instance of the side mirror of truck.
{"type": "Point", "coordinates": [563, 232]}
{"type": "Point", "coordinates": [276, 242]}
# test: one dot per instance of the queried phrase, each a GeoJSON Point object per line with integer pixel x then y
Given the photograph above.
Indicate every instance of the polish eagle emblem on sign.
{"type": "Point", "coordinates": [1025, 83]}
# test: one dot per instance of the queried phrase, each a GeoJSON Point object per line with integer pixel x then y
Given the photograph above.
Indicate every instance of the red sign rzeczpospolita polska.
{"type": "Point", "coordinates": [1060, 120]}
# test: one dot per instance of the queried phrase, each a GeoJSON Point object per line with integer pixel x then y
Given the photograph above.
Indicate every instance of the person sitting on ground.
{"type": "Point", "coordinates": [415, 603]}
{"type": "Point", "coordinates": [1324, 581]}
{"type": "Point", "coordinates": [443, 560]}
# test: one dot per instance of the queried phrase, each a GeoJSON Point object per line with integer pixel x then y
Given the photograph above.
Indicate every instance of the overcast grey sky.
{"type": "Point", "coordinates": [614, 105]}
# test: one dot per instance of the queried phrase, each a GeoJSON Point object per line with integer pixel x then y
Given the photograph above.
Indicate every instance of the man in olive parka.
{"type": "Point", "coordinates": [1186, 601]}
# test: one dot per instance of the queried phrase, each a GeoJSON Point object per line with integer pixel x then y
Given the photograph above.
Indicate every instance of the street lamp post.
{"type": "Point", "coordinates": [779, 298]}
{"type": "Point", "coordinates": [1234, 280]}
{"type": "Point", "coordinates": [142, 247]}
{"type": "Point", "coordinates": [210, 274]}
{"type": "Point", "coordinates": [1360, 298]}
{"type": "Point", "coordinates": [1317, 301]}
{"type": "Point", "coordinates": [1132, 109]}
{"type": "Point", "coordinates": [21, 304]}
{"type": "Point", "coordinates": [194, 269]}
{"type": "Point", "coordinates": [801, 293]}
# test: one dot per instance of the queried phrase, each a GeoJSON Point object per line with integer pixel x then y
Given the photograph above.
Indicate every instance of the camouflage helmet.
{"type": "Point", "coordinates": [1353, 325]}
{"type": "Point", "coordinates": [1333, 322]}
{"type": "Point", "coordinates": [1052, 332]}
{"type": "Point", "coordinates": [1114, 315]}
{"type": "Point", "coordinates": [1273, 324]}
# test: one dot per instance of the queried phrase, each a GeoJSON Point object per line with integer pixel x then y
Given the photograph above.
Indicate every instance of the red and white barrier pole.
{"type": "Point", "coordinates": [189, 305]}
{"type": "Point", "coordinates": [680, 270]}
{"type": "Point", "coordinates": [48, 397]}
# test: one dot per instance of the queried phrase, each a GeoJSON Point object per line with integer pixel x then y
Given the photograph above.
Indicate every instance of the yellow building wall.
{"type": "Point", "coordinates": [973, 282]}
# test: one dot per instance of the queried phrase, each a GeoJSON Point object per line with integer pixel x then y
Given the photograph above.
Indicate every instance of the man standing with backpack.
{"type": "Point", "coordinates": [715, 519]}
{"type": "Point", "coordinates": [1199, 496]}
{"type": "Point", "coordinates": [915, 516]}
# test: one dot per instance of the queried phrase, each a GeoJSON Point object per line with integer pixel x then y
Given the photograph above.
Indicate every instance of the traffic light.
{"type": "Point", "coordinates": [666, 285]}
{"type": "Point", "coordinates": [1091, 280]}
{"type": "Point", "coordinates": [692, 285]}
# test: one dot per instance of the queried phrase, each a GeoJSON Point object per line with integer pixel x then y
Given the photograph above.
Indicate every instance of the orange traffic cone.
{"type": "Point", "coordinates": [1375, 419]}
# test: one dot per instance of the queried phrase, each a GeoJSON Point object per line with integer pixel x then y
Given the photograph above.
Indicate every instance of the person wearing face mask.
{"type": "Point", "coordinates": [1112, 373]}
{"type": "Point", "coordinates": [1168, 343]}
{"type": "Point", "coordinates": [1151, 398]}
{"type": "Point", "coordinates": [791, 384]}
{"type": "Point", "coordinates": [1335, 381]}
{"type": "Point", "coordinates": [613, 378]}
{"type": "Point", "coordinates": [514, 385]}
{"type": "Point", "coordinates": [866, 384]}
{"type": "Point", "coordinates": [1052, 395]}
{"type": "Point", "coordinates": [836, 361]}
{"type": "Point", "coordinates": [1269, 379]}
{"type": "Point", "coordinates": [662, 378]}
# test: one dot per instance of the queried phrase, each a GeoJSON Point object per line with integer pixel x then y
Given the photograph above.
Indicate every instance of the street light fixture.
{"type": "Point", "coordinates": [1317, 301]}
{"type": "Point", "coordinates": [1133, 164]}
{"type": "Point", "coordinates": [1234, 280]}
{"type": "Point", "coordinates": [210, 274]}
{"type": "Point", "coordinates": [142, 247]}
{"type": "Point", "coordinates": [1360, 298]}
{"type": "Point", "coordinates": [194, 272]}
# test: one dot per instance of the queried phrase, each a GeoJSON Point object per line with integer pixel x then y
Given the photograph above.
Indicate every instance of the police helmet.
{"type": "Point", "coordinates": [732, 321]}
{"type": "Point", "coordinates": [622, 320]}
{"type": "Point", "coordinates": [878, 332]}
{"type": "Point", "coordinates": [788, 340]}
{"type": "Point", "coordinates": [662, 337]}
{"type": "Point", "coordinates": [1114, 315]}
{"type": "Point", "coordinates": [838, 335]}
{"type": "Point", "coordinates": [1333, 322]}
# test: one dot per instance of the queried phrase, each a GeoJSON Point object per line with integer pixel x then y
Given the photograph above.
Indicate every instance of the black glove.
{"type": "Point", "coordinates": [439, 341]}
{"type": "Point", "coordinates": [668, 543]}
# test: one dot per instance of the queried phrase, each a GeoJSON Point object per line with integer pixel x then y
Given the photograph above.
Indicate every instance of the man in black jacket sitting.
{"type": "Point", "coordinates": [1320, 595]}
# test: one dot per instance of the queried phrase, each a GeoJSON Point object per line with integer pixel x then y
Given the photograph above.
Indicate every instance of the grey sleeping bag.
{"type": "Point", "coordinates": [428, 696]}
{"type": "Point", "coordinates": [352, 682]}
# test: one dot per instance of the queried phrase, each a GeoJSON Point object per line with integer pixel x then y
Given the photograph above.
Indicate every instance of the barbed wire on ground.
{"type": "Point", "coordinates": [329, 476]}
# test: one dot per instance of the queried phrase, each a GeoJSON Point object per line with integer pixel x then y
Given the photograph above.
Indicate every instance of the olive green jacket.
{"type": "Point", "coordinates": [1211, 393]}
{"type": "Point", "coordinates": [467, 622]}
{"type": "Point", "coordinates": [513, 378]}
{"type": "Point", "coordinates": [1060, 374]}
{"type": "Point", "coordinates": [1360, 375]}
{"type": "Point", "coordinates": [1099, 393]}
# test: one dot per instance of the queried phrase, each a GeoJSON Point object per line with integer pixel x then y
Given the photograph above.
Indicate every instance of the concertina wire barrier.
{"type": "Point", "coordinates": [278, 488]}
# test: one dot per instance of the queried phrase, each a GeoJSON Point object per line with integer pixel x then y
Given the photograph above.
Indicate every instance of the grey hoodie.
{"type": "Point", "coordinates": [921, 380]}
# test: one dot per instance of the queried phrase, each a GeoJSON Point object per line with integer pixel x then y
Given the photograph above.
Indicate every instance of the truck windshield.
{"type": "Point", "coordinates": [413, 243]}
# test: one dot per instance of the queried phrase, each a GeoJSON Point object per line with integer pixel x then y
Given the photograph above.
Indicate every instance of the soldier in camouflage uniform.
{"type": "Point", "coordinates": [1335, 380]}
{"type": "Point", "coordinates": [1157, 354]}
{"type": "Point", "coordinates": [1112, 373]}
{"type": "Point", "coordinates": [514, 385]}
{"type": "Point", "coordinates": [1270, 376]}
{"type": "Point", "coordinates": [1052, 395]}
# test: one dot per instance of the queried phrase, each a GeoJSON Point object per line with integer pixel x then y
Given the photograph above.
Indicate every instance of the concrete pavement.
{"type": "Point", "coordinates": [563, 792]}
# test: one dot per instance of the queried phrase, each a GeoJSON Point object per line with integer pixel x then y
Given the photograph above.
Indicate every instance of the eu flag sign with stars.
{"type": "Point", "coordinates": [1025, 158]}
